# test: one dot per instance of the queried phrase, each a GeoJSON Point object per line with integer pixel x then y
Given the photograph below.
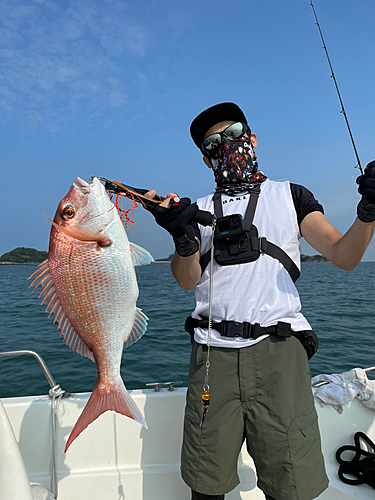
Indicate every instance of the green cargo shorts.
{"type": "Point", "coordinates": [261, 394]}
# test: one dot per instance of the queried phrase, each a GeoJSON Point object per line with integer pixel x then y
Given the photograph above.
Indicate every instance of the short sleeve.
{"type": "Point", "coordinates": [304, 202]}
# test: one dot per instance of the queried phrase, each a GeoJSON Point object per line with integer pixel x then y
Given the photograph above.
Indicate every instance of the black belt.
{"type": "Point", "coordinates": [236, 329]}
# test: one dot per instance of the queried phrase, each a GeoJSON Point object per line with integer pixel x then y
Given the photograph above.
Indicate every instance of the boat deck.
{"type": "Point", "coordinates": [117, 459]}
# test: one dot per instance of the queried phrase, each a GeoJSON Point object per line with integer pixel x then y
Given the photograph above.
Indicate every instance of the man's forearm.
{"type": "Point", "coordinates": [348, 251]}
{"type": "Point", "coordinates": [344, 251]}
{"type": "Point", "coordinates": [186, 270]}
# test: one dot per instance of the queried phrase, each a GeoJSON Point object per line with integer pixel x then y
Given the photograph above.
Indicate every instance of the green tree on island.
{"type": "Point", "coordinates": [23, 255]}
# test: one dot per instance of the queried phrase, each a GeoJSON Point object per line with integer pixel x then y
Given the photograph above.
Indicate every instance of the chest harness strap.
{"type": "Point", "coordinates": [246, 246]}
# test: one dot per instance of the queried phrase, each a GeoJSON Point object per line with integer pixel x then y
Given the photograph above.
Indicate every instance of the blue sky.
{"type": "Point", "coordinates": [109, 88]}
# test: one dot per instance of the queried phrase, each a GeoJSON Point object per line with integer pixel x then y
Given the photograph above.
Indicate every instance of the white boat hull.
{"type": "Point", "coordinates": [117, 459]}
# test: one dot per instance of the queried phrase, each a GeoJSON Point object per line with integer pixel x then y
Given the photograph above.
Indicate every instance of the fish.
{"type": "Point", "coordinates": [89, 284]}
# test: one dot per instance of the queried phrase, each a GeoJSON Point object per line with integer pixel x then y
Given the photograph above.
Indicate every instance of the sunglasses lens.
{"type": "Point", "coordinates": [211, 142]}
{"type": "Point", "coordinates": [235, 130]}
{"type": "Point", "coordinates": [232, 132]}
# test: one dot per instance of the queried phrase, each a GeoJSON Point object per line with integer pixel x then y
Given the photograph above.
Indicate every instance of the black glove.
{"type": "Point", "coordinates": [176, 221]}
{"type": "Point", "coordinates": [366, 207]}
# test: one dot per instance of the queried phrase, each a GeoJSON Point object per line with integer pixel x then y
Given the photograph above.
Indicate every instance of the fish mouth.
{"type": "Point", "coordinates": [94, 187]}
{"type": "Point", "coordinates": [82, 186]}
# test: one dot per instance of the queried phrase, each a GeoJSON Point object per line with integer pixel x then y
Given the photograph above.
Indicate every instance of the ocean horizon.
{"type": "Point", "coordinates": [338, 305]}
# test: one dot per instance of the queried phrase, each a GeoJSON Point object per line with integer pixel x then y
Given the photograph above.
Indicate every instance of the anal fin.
{"type": "Point", "coordinates": [139, 328]}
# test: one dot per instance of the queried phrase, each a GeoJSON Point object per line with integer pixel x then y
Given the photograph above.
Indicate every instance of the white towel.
{"type": "Point", "coordinates": [340, 388]}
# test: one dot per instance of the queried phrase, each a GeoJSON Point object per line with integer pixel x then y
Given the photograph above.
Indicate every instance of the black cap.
{"type": "Point", "coordinates": [215, 114]}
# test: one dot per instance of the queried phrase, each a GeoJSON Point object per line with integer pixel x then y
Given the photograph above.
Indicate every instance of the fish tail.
{"type": "Point", "coordinates": [102, 399]}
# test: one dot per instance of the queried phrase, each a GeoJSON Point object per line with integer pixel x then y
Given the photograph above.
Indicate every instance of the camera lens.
{"type": "Point", "coordinates": [234, 222]}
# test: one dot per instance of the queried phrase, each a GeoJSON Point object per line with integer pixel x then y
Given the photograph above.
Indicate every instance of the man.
{"type": "Point", "coordinates": [257, 381]}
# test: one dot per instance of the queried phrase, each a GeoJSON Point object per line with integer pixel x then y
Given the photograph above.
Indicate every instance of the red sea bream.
{"type": "Point", "coordinates": [89, 284]}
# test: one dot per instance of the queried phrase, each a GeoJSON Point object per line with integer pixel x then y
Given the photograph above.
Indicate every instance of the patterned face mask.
{"type": "Point", "coordinates": [234, 162]}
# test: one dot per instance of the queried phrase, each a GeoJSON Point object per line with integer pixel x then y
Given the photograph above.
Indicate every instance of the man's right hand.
{"type": "Point", "coordinates": [176, 220]}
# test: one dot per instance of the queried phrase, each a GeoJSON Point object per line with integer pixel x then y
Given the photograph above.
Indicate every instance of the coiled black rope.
{"type": "Point", "coordinates": [362, 466]}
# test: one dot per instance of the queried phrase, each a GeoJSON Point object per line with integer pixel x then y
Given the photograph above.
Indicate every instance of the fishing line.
{"type": "Point", "coordinates": [337, 89]}
{"type": "Point", "coordinates": [206, 386]}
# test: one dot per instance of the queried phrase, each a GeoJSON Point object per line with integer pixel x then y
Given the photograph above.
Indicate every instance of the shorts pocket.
{"type": "Point", "coordinates": [191, 445]}
{"type": "Point", "coordinates": [306, 456]}
{"type": "Point", "coordinates": [196, 358]}
{"type": "Point", "coordinates": [192, 416]}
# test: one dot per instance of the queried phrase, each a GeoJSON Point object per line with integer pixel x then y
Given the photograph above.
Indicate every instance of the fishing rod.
{"type": "Point", "coordinates": [139, 193]}
{"type": "Point", "coordinates": [201, 217]}
{"type": "Point", "coordinates": [337, 89]}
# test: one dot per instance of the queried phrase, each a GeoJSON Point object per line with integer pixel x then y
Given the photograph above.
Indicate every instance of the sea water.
{"type": "Point", "coordinates": [339, 306]}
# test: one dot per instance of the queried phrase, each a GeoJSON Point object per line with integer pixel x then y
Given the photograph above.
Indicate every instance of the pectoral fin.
{"type": "Point", "coordinates": [82, 233]}
{"type": "Point", "coordinates": [140, 256]}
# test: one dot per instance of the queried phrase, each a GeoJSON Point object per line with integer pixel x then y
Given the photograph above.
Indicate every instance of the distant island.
{"type": "Point", "coordinates": [165, 259]}
{"type": "Point", "coordinates": [22, 255]}
{"type": "Point", "coordinates": [304, 258]}
{"type": "Point", "coordinates": [313, 258]}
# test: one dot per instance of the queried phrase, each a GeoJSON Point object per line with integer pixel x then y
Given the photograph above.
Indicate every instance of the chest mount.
{"type": "Point", "coordinates": [237, 240]}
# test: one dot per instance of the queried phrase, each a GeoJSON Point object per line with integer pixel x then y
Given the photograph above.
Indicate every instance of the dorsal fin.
{"type": "Point", "coordinates": [140, 256]}
{"type": "Point", "coordinates": [42, 276]}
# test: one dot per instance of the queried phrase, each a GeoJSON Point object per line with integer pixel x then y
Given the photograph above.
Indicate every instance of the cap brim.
{"type": "Point", "coordinates": [215, 114]}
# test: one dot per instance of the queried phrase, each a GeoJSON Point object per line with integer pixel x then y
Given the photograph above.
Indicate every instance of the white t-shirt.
{"type": "Point", "coordinates": [255, 292]}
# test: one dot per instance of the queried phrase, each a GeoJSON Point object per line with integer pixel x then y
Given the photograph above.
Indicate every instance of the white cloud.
{"type": "Point", "coordinates": [62, 60]}
{"type": "Point", "coordinates": [116, 98]}
{"type": "Point", "coordinates": [72, 29]}
{"type": "Point", "coordinates": [21, 12]}
{"type": "Point", "coordinates": [136, 40]}
{"type": "Point", "coordinates": [113, 81]}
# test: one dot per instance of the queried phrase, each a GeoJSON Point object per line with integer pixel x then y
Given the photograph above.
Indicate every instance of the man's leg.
{"type": "Point", "coordinates": [201, 496]}
{"type": "Point", "coordinates": [281, 427]}
{"type": "Point", "coordinates": [210, 448]}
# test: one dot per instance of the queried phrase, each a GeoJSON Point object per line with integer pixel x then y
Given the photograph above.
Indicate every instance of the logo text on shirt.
{"type": "Point", "coordinates": [237, 198]}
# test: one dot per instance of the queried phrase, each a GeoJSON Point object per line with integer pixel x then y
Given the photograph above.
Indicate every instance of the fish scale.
{"type": "Point", "coordinates": [89, 284]}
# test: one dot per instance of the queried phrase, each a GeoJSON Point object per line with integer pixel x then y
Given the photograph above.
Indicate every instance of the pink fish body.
{"type": "Point", "coordinates": [89, 284]}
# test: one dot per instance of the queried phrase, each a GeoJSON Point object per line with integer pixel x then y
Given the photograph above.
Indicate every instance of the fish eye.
{"type": "Point", "coordinates": [68, 212]}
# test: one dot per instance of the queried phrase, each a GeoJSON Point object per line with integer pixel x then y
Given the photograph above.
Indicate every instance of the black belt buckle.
{"type": "Point", "coordinates": [233, 329]}
{"type": "Point", "coordinates": [262, 244]}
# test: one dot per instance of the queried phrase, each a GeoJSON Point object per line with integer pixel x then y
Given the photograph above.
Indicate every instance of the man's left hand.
{"type": "Point", "coordinates": [366, 182]}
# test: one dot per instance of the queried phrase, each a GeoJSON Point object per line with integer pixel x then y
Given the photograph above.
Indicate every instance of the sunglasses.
{"type": "Point", "coordinates": [234, 131]}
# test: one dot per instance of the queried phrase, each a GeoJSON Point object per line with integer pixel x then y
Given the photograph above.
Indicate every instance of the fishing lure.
{"type": "Point", "coordinates": [133, 194]}
{"type": "Point", "coordinates": [138, 195]}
